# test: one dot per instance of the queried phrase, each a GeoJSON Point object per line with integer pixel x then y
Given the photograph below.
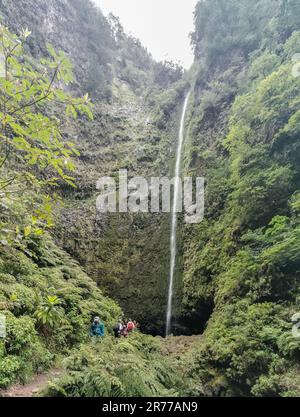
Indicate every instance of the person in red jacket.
{"type": "Point", "coordinates": [130, 325]}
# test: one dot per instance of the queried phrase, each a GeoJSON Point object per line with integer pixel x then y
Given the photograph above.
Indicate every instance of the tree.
{"type": "Point", "coordinates": [33, 154]}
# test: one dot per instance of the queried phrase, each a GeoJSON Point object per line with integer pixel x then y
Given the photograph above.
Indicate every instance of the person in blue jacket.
{"type": "Point", "coordinates": [97, 328]}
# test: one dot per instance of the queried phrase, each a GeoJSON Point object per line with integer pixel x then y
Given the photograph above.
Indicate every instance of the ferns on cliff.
{"type": "Point", "coordinates": [26, 285]}
{"type": "Point", "coordinates": [245, 255]}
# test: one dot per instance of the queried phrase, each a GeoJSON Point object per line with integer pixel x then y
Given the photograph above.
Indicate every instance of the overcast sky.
{"type": "Point", "coordinates": [163, 26]}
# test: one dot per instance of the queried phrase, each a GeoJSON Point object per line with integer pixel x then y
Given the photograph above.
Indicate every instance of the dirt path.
{"type": "Point", "coordinates": [33, 387]}
{"type": "Point", "coordinates": [172, 345]}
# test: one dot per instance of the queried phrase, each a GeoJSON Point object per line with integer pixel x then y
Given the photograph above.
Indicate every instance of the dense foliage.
{"type": "Point", "coordinates": [243, 261]}
{"type": "Point", "coordinates": [48, 303]}
{"type": "Point", "coordinates": [238, 271]}
{"type": "Point", "coordinates": [45, 297]}
{"type": "Point", "coordinates": [133, 367]}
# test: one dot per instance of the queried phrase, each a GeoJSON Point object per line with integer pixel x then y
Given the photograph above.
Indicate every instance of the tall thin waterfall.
{"type": "Point", "coordinates": [173, 242]}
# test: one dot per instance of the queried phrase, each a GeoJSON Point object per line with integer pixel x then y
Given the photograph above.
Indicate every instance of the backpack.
{"type": "Point", "coordinates": [118, 327]}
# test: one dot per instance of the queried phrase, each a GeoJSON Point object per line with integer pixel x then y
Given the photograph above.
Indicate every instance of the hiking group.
{"type": "Point", "coordinates": [122, 328]}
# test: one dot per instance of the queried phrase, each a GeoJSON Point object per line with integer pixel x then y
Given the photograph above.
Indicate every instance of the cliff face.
{"type": "Point", "coordinates": [136, 102]}
{"type": "Point", "coordinates": [243, 137]}
{"type": "Point", "coordinates": [75, 27]}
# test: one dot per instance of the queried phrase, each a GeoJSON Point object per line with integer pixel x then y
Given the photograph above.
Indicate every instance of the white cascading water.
{"type": "Point", "coordinates": [173, 242]}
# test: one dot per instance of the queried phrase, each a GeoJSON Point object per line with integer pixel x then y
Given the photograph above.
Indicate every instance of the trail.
{"type": "Point", "coordinates": [175, 346]}
{"type": "Point", "coordinates": [32, 388]}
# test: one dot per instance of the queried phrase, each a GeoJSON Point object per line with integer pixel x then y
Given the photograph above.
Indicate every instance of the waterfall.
{"type": "Point", "coordinates": [173, 242]}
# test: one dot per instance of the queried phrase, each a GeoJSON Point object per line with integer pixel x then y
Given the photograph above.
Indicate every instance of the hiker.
{"type": "Point", "coordinates": [124, 332]}
{"type": "Point", "coordinates": [130, 326]}
{"type": "Point", "coordinates": [118, 329]}
{"type": "Point", "coordinates": [97, 328]}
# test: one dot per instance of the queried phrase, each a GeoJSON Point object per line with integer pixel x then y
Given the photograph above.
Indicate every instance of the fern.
{"type": "Point", "coordinates": [115, 368]}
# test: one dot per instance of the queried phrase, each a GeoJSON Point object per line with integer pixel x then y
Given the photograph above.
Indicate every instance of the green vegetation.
{"type": "Point", "coordinates": [134, 104]}
{"type": "Point", "coordinates": [133, 367]}
{"type": "Point", "coordinates": [33, 154]}
{"type": "Point", "coordinates": [48, 303]}
{"type": "Point", "coordinates": [243, 260]}
{"type": "Point", "coordinates": [238, 271]}
{"type": "Point", "coordinates": [46, 298]}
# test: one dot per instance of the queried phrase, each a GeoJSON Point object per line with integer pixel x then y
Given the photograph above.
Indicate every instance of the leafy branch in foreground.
{"type": "Point", "coordinates": [33, 154]}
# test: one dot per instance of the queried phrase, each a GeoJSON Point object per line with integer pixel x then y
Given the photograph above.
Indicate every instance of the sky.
{"type": "Point", "coordinates": [163, 26]}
